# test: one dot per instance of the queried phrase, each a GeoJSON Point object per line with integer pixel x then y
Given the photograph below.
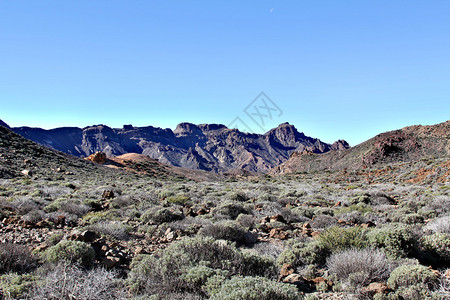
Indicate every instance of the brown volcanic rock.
{"type": "Point", "coordinates": [408, 144]}
{"type": "Point", "coordinates": [210, 147]}
{"type": "Point", "coordinates": [98, 157]}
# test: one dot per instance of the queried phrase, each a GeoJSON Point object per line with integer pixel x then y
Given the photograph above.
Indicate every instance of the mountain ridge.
{"type": "Point", "coordinates": [410, 143]}
{"type": "Point", "coordinates": [210, 147]}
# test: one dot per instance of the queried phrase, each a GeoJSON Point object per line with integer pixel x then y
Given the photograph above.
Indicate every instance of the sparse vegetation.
{"type": "Point", "coordinates": [120, 234]}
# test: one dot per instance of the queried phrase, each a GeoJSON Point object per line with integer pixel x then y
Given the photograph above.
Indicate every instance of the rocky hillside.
{"type": "Point", "coordinates": [208, 147]}
{"type": "Point", "coordinates": [22, 157]}
{"type": "Point", "coordinates": [404, 145]}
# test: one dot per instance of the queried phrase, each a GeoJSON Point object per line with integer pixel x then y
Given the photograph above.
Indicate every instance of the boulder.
{"type": "Point", "coordinates": [286, 270]}
{"type": "Point", "coordinates": [98, 157]}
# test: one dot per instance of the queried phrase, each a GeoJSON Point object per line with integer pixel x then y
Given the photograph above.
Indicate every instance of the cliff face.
{"type": "Point", "coordinates": [407, 144]}
{"type": "Point", "coordinates": [211, 147]}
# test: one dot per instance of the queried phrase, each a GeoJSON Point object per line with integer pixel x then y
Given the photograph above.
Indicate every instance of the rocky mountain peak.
{"type": "Point", "coordinates": [286, 135]}
{"type": "Point", "coordinates": [340, 145]}
{"type": "Point", "coordinates": [212, 127]}
{"type": "Point", "coordinates": [184, 129]}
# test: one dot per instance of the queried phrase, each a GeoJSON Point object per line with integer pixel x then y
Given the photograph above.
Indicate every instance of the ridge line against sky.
{"type": "Point", "coordinates": [337, 70]}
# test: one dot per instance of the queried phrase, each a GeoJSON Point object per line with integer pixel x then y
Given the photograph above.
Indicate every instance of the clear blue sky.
{"type": "Point", "coordinates": [337, 69]}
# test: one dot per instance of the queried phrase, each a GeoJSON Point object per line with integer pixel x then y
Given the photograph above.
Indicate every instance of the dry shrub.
{"type": "Point", "coordinates": [372, 263]}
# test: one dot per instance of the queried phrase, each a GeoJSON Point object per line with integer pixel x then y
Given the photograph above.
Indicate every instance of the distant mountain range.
{"type": "Point", "coordinates": [210, 147]}
{"type": "Point", "coordinates": [216, 148]}
{"type": "Point", "coordinates": [404, 145]}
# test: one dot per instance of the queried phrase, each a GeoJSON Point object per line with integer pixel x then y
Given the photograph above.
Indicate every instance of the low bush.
{"type": "Point", "coordinates": [225, 230]}
{"type": "Point", "coordinates": [114, 229]}
{"type": "Point", "coordinates": [72, 251]}
{"type": "Point", "coordinates": [254, 288]}
{"type": "Point", "coordinates": [168, 272]}
{"type": "Point", "coordinates": [66, 281]}
{"type": "Point", "coordinates": [15, 286]}
{"type": "Point", "coordinates": [436, 249]}
{"type": "Point", "coordinates": [412, 219]}
{"type": "Point", "coordinates": [410, 275]}
{"type": "Point", "coordinates": [439, 225]}
{"type": "Point", "coordinates": [159, 215]}
{"type": "Point", "coordinates": [300, 254]}
{"type": "Point", "coordinates": [239, 196]}
{"type": "Point", "coordinates": [440, 205]}
{"type": "Point", "coordinates": [336, 239]}
{"type": "Point", "coordinates": [230, 209]}
{"type": "Point", "coordinates": [396, 239]}
{"type": "Point", "coordinates": [372, 263]}
{"type": "Point", "coordinates": [16, 258]}
{"type": "Point", "coordinates": [179, 200]}
{"type": "Point", "coordinates": [246, 221]}
{"type": "Point", "coordinates": [324, 221]}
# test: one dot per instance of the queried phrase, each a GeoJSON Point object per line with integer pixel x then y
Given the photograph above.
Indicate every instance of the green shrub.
{"type": "Point", "coordinates": [412, 219]}
{"type": "Point", "coordinates": [230, 209]}
{"type": "Point", "coordinates": [336, 239]}
{"type": "Point", "coordinates": [361, 207]}
{"type": "Point", "coordinates": [101, 216]}
{"type": "Point", "coordinates": [159, 215]}
{"type": "Point", "coordinates": [413, 292]}
{"type": "Point", "coordinates": [172, 270]}
{"type": "Point", "coordinates": [256, 265]}
{"type": "Point", "coordinates": [14, 286]}
{"type": "Point", "coordinates": [246, 221]}
{"type": "Point", "coordinates": [304, 211]}
{"type": "Point", "coordinates": [396, 239]}
{"type": "Point", "coordinates": [179, 200]}
{"type": "Point", "coordinates": [227, 230]}
{"type": "Point", "coordinates": [239, 196]}
{"type": "Point", "coordinates": [55, 239]}
{"type": "Point", "coordinates": [292, 255]}
{"type": "Point", "coordinates": [409, 275]}
{"type": "Point", "coordinates": [436, 248]}
{"type": "Point", "coordinates": [197, 276]}
{"type": "Point", "coordinates": [300, 253]}
{"type": "Point", "coordinates": [254, 288]}
{"type": "Point", "coordinates": [73, 251]}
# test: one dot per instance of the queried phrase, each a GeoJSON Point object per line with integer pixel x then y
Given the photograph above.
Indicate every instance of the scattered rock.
{"type": "Point", "coordinates": [26, 172]}
{"type": "Point", "coordinates": [278, 233]}
{"type": "Point", "coordinates": [277, 218]}
{"type": "Point", "coordinates": [375, 288]}
{"type": "Point", "coordinates": [368, 224]}
{"type": "Point", "coordinates": [286, 270]}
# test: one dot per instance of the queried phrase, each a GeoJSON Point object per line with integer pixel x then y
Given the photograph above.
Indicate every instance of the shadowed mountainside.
{"type": "Point", "coordinates": [210, 147]}
{"type": "Point", "coordinates": [22, 157]}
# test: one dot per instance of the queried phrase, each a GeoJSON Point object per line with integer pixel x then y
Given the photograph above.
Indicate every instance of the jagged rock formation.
{"type": "Point", "coordinates": [404, 145]}
{"type": "Point", "coordinates": [210, 147]}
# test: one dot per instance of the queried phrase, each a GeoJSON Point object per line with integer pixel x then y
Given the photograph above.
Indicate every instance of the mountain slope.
{"type": "Point", "coordinates": [210, 147]}
{"type": "Point", "coordinates": [403, 145]}
{"type": "Point", "coordinates": [19, 156]}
